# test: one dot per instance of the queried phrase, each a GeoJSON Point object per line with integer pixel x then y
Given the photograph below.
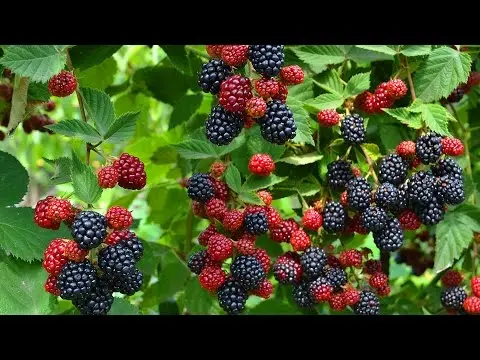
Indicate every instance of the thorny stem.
{"type": "Point", "coordinates": [370, 164]}
{"type": "Point", "coordinates": [410, 81]}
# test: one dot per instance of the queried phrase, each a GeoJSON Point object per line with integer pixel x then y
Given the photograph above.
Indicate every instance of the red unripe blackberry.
{"type": "Point", "coordinates": [245, 246]}
{"type": "Point", "coordinates": [355, 225]}
{"type": "Point", "coordinates": [415, 163]}
{"type": "Point", "coordinates": [452, 278]}
{"type": "Point", "coordinates": [267, 88]}
{"type": "Point", "coordinates": [248, 121]}
{"type": "Point", "coordinates": [265, 196]}
{"type": "Point", "coordinates": [472, 305]}
{"type": "Point", "coordinates": [206, 234]}
{"type": "Point", "coordinates": [54, 256]}
{"type": "Point", "coordinates": [328, 117]}
{"type": "Point", "coordinates": [282, 93]}
{"type": "Point", "coordinates": [321, 289]}
{"type": "Point", "coordinates": [215, 51]}
{"type": "Point", "coordinates": [344, 199]}
{"type": "Point", "coordinates": [367, 102]}
{"type": "Point", "coordinates": [73, 213]}
{"type": "Point", "coordinates": [234, 93]}
{"type": "Point", "coordinates": [378, 280]}
{"type": "Point", "coordinates": [292, 75]}
{"type": "Point", "coordinates": [131, 172]}
{"type": "Point", "coordinates": [273, 217]}
{"type": "Point", "coordinates": [383, 96]}
{"type": "Point", "coordinates": [475, 285]}
{"type": "Point", "coordinates": [217, 169]}
{"type": "Point", "coordinates": [452, 146]}
{"type": "Point", "coordinates": [58, 209]}
{"type": "Point", "coordinates": [232, 220]}
{"type": "Point", "coordinates": [372, 266]}
{"type": "Point", "coordinates": [300, 240]}
{"type": "Point", "coordinates": [107, 177]}
{"type": "Point", "coordinates": [396, 88]}
{"type": "Point", "coordinates": [406, 149]}
{"type": "Point", "coordinates": [216, 209]}
{"type": "Point", "coordinates": [220, 189]}
{"type": "Point", "coordinates": [211, 278]}
{"type": "Point", "coordinates": [235, 55]}
{"type": "Point", "coordinates": [40, 214]}
{"type": "Point", "coordinates": [119, 218]}
{"type": "Point", "coordinates": [74, 252]}
{"type": "Point", "coordinates": [337, 302]}
{"type": "Point", "coordinates": [118, 235]}
{"type": "Point", "coordinates": [409, 220]}
{"type": "Point", "coordinates": [351, 296]}
{"type": "Point", "coordinates": [49, 105]}
{"type": "Point", "coordinates": [264, 290]}
{"type": "Point", "coordinates": [6, 92]}
{"type": "Point", "coordinates": [255, 107]}
{"type": "Point", "coordinates": [283, 231]}
{"type": "Point", "coordinates": [287, 270]}
{"type": "Point", "coordinates": [262, 256]}
{"type": "Point", "coordinates": [384, 291]}
{"type": "Point", "coordinates": [63, 84]}
{"type": "Point", "coordinates": [356, 171]}
{"type": "Point", "coordinates": [261, 165]}
{"type": "Point", "coordinates": [351, 257]}
{"type": "Point", "coordinates": [199, 209]}
{"type": "Point", "coordinates": [312, 219]}
{"type": "Point", "coordinates": [51, 285]}
{"type": "Point", "coordinates": [219, 247]}
{"type": "Point", "coordinates": [333, 261]}
{"type": "Point", "coordinates": [473, 80]}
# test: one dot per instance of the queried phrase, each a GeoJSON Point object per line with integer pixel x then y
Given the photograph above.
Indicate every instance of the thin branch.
{"type": "Point", "coordinates": [410, 81]}
{"type": "Point", "coordinates": [370, 164]}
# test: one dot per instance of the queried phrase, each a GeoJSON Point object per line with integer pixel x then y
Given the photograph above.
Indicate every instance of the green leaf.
{"type": "Point", "coordinates": [436, 118]}
{"type": "Point", "coordinates": [330, 81]}
{"type": "Point", "coordinates": [123, 307]}
{"type": "Point", "coordinates": [372, 151]}
{"type": "Point", "coordinates": [301, 91]}
{"type": "Point", "coordinates": [38, 92]}
{"type": "Point", "coordinates": [99, 76]}
{"type": "Point", "coordinates": [360, 55]}
{"type": "Point", "coordinates": [37, 62]}
{"type": "Point", "coordinates": [123, 128]}
{"type": "Point", "coordinates": [261, 182]}
{"type": "Point", "coordinates": [178, 57]}
{"type": "Point", "coordinates": [76, 128]}
{"type": "Point", "coordinates": [21, 237]}
{"type": "Point", "coordinates": [197, 300]}
{"type": "Point", "coordinates": [302, 159]}
{"type": "Point", "coordinates": [21, 288]}
{"type": "Point", "coordinates": [233, 178]}
{"type": "Point", "coordinates": [13, 180]}
{"type": "Point", "coordinates": [441, 73]}
{"type": "Point", "coordinates": [235, 144]}
{"type": "Point", "coordinates": [195, 149]}
{"type": "Point", "coordinates": [184, 109]}
{"type": "Point", "coordinates": [325, 101]}
{"type": "Point", "coordinates": [172, 277]}
{"type": "Point", "coordinates": [85, 183]}
{"type": "Point", "coordinates": [357, 84]}
{"type": "Point", "coordinates": [250, 198]}
{"type": "Point", "coordinates": [274, 307]}
{"type": "Point", "coordinates": [86, 56]}
{"type": "Point", "coordinates": [301, 117]}
{"type": "Point", "coordinates": [384, 49]}
{"type": "Point", "coordinates": [406, 116]}
{"type": "Point", "coordinates": [62, 170]}
{"type": "Point", "coordinates": [164, 155]}
{"type": "Point", "coordinates": [454, 234]}
{"type": "Point", "coordinates": [318, 56]}
{"type": "Point", "coordinates": [416, 50]}
{"type": "Point", "coordinates": [256, 144]}
{"type": "Point", "coordinates": [159, 198]}
{"type": "Point", "coordinates": [100, 108]}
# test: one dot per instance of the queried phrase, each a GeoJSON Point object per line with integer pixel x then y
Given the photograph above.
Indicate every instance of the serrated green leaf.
{"type": "Point", "coordinates": [274, 307]}
{"type": "Point", "coordinates": [415, 50]}
{"type": "Point", "coordinates": [235, 144]}
{"type": "Point", "coordinates": [13, 180]}
{"type": "Point", "coordinates": [197, 300]}
{"type": "Point", "coordinates": [454, 234]}
{"type": "Point", "coordinates": [100, 107]}
{"type": "Point", "coordinates": [300, 115]}
{"type": "Point", "coordinates": [372, 151]}
{"type": "Point", "coordinates": [99, 76]}
{"type": "Point", "coordinates": [21, 237]}
{"type": "Point", "coordinates": [178, 57]}
{"type": "Point", "coordinates": [21, 288]}
{"type": "Point", "coordinates": [123, 128]}
{"type": "Point", "coordinates": [38, 92]}
{"type": "Point", "coordinates": [436, 118]}
{"type": "Point", "coordinates": [301, 91]}
{"type": "Point", "coordinates": [441, 73]}
{"type": "Point", "coordinates": [123, 307]}
{"type": "Point", "coordinates": [406, 116]}
{"type": "Point", "coordinates": [357, 84]}
{"type": "Point", "coordinates": [318, 56]}
{"type": "Point", "coordinates": [330, 81]}
{"type": "Point", "coordinates": [77, 129]}
{"type": "Point", "coordinates": [325, 101]}
{"type": "Point", "coordinates": [37, 62]}
{"type": "Point", "coordinates": [233, 178]}
{"type": "Point", "coordinates": [250, 198]}
{"type": "Point", "coordinates": [384, 49]}
{"type": "Point", "coordinates": [85, 185]}
{"type": "Point", "coordinates": [62, 170]}
{"type": "Point", "coordinates": [172, 277]}
{"type": "Point", "coordinates": [256, 144]}
{"type": "Point", "coordinates": [195, 149]}
{"type": "Point", "coordinates": [261, 182]}
{"type": "Point", "coordinates": [302, 159]}
{"type": "Point", "coordinates": [360, 55]}
{"type": "Point", "coordinates": [184, 109]}
{"type": "Point", "coordinates": [86, 56]}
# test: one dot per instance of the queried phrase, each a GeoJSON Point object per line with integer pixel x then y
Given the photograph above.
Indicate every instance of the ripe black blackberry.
{"type": "Point", "coordinates": [267, 60]}
{"type": "Point", "coordinates": [212, 75]}
{"type": "Point", "coordinates": [374, 218]}
{"type": "Point", "coordinates": [359, 193]}
{"type": "Point", "coordinates": [339, 173]}
{"type": "Point", "coordinates": [128, 285]}
{"type": "Point", "coordinates": [450, 190]}
{"type": "Point", "coordinates": [134, 244]}
{"type": "Point", "coordinates": [453, 298]}
{"type": "Point", "coordinates": [390, 237]}
{"type": "Point", "coordinates": [353, 129]}
{"type": "Point", "coordinates": [337, 277]}
{"type": "Point", "coordinates": [232, 297]}
{"type": "Point", "coordinates": [197, 260]}
{"type": "Point", "coordinates": [116, 261]}
{"type": "Point", "coordinates": [89, 229]}
{"type": "Point", "coordinates": [393, 169]}
{"type": "Point", "coordinates": [431, 213]}
{"type": "Point", "coordinates": [98, 302]}
{"type": "Point", "coordinates": [447, 166]}
{"type": "Point", "coordinates": [421, 188]}
{"type": "Point", "coordinates": [277, 125]}
{"type": "Point", "coordinates": [248, 271]}
{"type": "Point", "coordinates": [403, 201]}
{"type": "Point", "coordinates": [368, 304]}
{"type": "Point", "coordinates": [387, 196]}
{"type": "Point", "coordinates": [302, 296]}
{"type": "Point", "coordinates": [428, 148]}
{"type": "Point", "coordinates": [334, 217]}
{"type": "Point", "coordinates": [200, 187]}
{"type": "Point", "coordinates": [222, 126]}
{"type": "Point", "coordinates": [313, 261]}
{"type": "Point", "coordinates": [256, 223]}
{"type": "Point", "coordinates": [76, 279]}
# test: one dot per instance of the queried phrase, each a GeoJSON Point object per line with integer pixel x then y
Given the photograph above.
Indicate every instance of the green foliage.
{"type": "Point", "coordinates": [13, 180]}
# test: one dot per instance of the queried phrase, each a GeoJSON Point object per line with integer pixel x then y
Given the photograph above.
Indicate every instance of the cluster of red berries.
{"type": "Point", "coordinates": [383, 97]}
{"type": "Point", "coordinates": [127, 171]}
{"type": "Point", "coordinates": [454, 297]}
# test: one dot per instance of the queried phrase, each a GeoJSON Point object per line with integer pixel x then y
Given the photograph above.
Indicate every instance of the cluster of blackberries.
{"type": "Point", "coordinates": [384, 96]}
{"type": "Point", "coordinates": [237, 106]}
{"type": "Point", "coordinates": [454, 298]}
{"type": "Point", "coordinates": [72, 276]}
{"type": "Point", "coordinates": [127, 171]}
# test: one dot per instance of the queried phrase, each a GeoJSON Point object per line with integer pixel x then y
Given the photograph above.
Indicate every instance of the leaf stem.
{"type": "Point", "coordinates": [370, 164]}
{"type": "Point", "coordinates": [410, 81]}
